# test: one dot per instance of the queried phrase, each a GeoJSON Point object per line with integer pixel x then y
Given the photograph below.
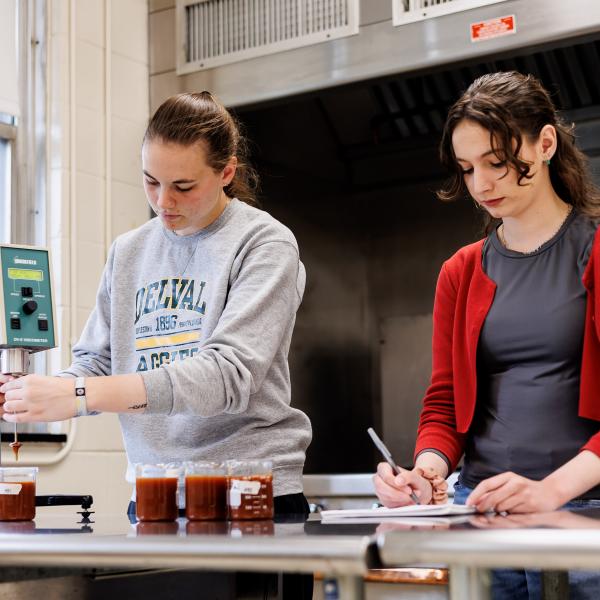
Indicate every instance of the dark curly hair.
{"type": "Point", "coordinates": [512, 106]}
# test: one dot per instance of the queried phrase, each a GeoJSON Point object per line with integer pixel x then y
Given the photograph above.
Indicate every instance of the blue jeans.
{"type": "Point", "coordinates": [509, 584]}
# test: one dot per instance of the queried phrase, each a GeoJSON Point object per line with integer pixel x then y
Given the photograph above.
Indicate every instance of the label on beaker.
{"type": "Point", "coordinates": [10, 489]}
{"type": "Point", "coordinates": [245, 487]}
{"type": "Point", "coordinates": [235, 498]}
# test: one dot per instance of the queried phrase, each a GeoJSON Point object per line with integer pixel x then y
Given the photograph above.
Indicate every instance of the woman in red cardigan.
{"type": "Point", "coordinates": [516, 336]}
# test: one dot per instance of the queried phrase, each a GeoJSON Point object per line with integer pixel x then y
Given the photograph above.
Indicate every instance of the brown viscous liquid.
{"type": "Point", "coordinates": [15, 448]}
{"type": "Point", "coordinates": [21, 506]}
{"type": "Point", "coordinates": [205, 497]}
{"type": "Point", "coordinates": [253, 506]}
{"type": "Point", "coordinates": [156, 498]}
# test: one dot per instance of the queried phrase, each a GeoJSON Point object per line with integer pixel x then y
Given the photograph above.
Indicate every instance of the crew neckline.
{"type": "Point", "coordinates": [499, 246]}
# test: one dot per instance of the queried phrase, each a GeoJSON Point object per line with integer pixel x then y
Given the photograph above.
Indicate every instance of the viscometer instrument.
{"type": "Point", "coordinates": [27, 321]}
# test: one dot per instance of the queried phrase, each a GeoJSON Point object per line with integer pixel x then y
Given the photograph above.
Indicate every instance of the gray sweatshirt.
{"type": "Point", "coordinates": [206, 320]}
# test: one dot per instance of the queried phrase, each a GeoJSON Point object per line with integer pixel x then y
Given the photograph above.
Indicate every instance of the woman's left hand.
{"type": "Point", "coordinates": [38, 398]}
{"type": "Point", "coordinates": [557, 519]}
{"type": "Point", "coordinates": [512, 493]}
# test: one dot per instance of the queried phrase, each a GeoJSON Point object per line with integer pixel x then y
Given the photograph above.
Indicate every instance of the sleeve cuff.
{"type": "Point", "coordinates": [159, 391]}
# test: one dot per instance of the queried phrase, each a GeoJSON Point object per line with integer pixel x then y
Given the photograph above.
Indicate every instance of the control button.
{"type": "Point", "coordinates": [15, 323]}
{"type": "Point", "coordinates": [43, 324]}
{"type": "Point", "coordinates": [30, 307]}
{"type": "Point", "coordinates": [26, 292]}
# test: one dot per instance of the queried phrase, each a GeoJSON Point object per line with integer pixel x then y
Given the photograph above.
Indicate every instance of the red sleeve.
{"type": "Point", "coordinates": [437, 425]}
{"type": "Point", "coordinates": [591, 354]}
{"type": "Point", "coordinates": [593, 444]}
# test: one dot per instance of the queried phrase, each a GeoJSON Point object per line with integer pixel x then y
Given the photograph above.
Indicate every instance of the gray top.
{"type": "Point", "coordinates": [529, 359]}
{"type": "Point", "coordinates": [207, 321]}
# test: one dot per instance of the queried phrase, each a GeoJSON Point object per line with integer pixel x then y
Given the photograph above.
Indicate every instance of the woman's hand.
{"type": "Point", "coordinates": [511, 493]}
{"type": "Point", "coordinates": [3, 380]}
{"type": "Point", "coordinates": [394, 490]}
{"type": "Point", "coordinates": [559, 519]}
{"type": "Point", "coordinates": [37, 398]}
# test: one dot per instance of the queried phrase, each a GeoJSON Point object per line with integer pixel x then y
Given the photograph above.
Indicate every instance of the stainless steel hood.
{"type": "Point", "coordinates": [382, 95]}
{"type": "Point", "coordinates": [384, 132]}
{"type": "Point", "coordinates": [382, 50]}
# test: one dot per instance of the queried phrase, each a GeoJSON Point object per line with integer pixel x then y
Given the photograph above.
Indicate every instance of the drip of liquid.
{"type": "Point", "coordinates": [15, 444]}
{"type": "Point", "coordinates": [15, 448]}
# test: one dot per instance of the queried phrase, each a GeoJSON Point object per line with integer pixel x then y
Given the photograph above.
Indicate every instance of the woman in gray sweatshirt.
{"type": "Point", "coordinates": [189, 338]}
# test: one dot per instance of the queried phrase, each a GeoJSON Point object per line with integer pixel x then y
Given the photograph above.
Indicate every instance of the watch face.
{"type": "Point", "coordinates": [80, 391]}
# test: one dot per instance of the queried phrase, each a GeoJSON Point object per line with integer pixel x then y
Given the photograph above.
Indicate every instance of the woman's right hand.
{"type": "Point", "coordinates": [394, 490]}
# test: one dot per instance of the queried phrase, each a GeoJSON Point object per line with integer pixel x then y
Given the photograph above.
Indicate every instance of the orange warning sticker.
{"type": "Point", "coordinates": [493, 28]}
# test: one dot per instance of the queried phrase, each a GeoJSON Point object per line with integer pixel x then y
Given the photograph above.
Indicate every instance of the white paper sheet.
{"type": "Point", "coordinates": [414, 510]}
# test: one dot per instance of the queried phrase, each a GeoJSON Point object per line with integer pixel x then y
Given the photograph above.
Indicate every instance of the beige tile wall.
{"type": "Point", "coordinates": [98, 86]}
{"type": "Point", "coordinates": [156, 5]}
{"type": "Point", "coordinates": [162, 34]}
{"type": "Point", "coordinates": [163, 79]}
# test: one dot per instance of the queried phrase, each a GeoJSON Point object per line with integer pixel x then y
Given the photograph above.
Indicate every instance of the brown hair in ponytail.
{"type": "Point", "coordinates": [511, 105]}
{"type": "Point", "coordinates": [193, 118]}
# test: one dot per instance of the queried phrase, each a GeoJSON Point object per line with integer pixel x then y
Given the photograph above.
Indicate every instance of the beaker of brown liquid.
{"type": "Point", "coordinates": [250, 489]}
{"type": "Point", "coordinates": [17, 493]}
{"type": "Point", "coordinates": [205, 491]}
{"type": "Point", "coordinates": [156, 491]}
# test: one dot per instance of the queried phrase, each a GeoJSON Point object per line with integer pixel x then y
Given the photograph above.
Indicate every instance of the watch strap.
{"type": "Point", "coordinates": [81, 399]}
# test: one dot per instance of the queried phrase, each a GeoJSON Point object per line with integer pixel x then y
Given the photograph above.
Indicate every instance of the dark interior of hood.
{"type": "Point", "coordinates": [351, 126]}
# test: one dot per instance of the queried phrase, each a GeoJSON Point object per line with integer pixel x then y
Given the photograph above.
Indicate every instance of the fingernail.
{"type": "Point", "coordinates": [400, 480]}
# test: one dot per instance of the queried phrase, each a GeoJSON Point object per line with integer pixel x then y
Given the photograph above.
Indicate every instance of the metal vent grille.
{"type": "Point", "coordinates": [211, 33]}
{"type": "Point", "coordinates": [409, 11]}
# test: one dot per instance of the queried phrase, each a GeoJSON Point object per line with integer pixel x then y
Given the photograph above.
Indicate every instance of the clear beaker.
{"type": "Point", "coordinates": [250, 489]}
{"type": "Point", "coordinates": [17, 493]}
{"type": "Point", "coordinates": [156, 491]}
{"type": "Point", "coordinates": [205, 491]}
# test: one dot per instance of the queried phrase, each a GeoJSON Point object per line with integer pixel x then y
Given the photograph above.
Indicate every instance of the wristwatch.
{"type": "Point", "coordinates": [81, 400]}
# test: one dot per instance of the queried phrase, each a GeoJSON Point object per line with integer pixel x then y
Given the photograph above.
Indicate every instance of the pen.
{"type": "Point", "coordinates": [388, 457]}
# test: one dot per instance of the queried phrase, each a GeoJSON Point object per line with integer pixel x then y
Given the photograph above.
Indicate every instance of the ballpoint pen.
{"type": "Point", "coordinates": [388, 457]}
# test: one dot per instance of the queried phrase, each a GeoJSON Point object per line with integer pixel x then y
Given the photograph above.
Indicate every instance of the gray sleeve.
{"type": "Point", "coordinates": [91, 354]}
{"type": "Point", "coordinates": [232, 363]}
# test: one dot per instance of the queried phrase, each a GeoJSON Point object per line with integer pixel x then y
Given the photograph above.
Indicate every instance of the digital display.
{"type": "Point", "coordinates": [25, 274]}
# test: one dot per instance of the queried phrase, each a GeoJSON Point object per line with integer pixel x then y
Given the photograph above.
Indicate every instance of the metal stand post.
{"type": "Point", "coordinates": [555, 585]}
{"type": "Point", "coordinates": [469, 583]}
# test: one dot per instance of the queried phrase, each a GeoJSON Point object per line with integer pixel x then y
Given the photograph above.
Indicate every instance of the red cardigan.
{"type": "Point", "coordinates": [463, 297]}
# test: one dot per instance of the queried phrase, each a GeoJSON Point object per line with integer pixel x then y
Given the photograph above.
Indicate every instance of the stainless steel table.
{"type": "Point", "coordinates": [342, 552]}
{"type": "Point", "coordinates": [111, 542]}
{"type": "Point", "coordinates": [559, 541]}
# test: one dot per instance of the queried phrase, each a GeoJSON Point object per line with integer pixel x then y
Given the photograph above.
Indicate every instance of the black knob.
{"type": "Point", "coordinates": [30, 307]}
